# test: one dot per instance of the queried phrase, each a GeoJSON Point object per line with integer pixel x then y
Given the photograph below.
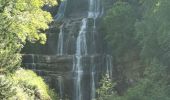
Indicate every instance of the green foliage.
{"type": "Point", "coordinates": [119, 28]}
{"type": "Point", "coordinates": [120, 35]}
{"type": "Point", "coordinates": [6, 88]}
{"type": "Point", "coordinates": [151, 33]}
{"type": "Point", "coordinates": [25, 85]}
{"type": "Point", "coordinates": [21, 20]}
{"type": "Point", "coordinates": [106, 88]}
{"type": "Point", "coordinates": [32, 86]}
{"type": "Point", "coordinates": [152, 87]}
{"type": "Point", "coordinates": [9, 47]}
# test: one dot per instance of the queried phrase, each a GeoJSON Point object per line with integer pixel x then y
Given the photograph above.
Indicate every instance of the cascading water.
{"type": "Point", "coordinates": [93, 87]}
{"type": "Point", "coordinates": [61, 10]}
{"type": "Point", "coordinates": [94, 9]}
{"type": "Point", "coordinates": [94, 12]}
{"type": "Point", "coordinates": [81, 50]}
{"type": "Point", "coordinates": [60, 48]}
{"type": "Point", "coordinates": [89, 61]}
{"type": "Point", "coordinates": [33, 62]}
{"type": "Point", "coordinates": [61, 88]}
{"type": "Point", "coordinates": [58, 17]}
{"type": "Point", "coordinates": [93, 82]}
{"type": "Point", "coordinates": [109, 65]}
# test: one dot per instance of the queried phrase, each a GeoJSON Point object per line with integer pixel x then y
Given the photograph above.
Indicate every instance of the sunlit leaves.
{"type": "Point", "coordinates": [21, 20]}
{"type": "Point", "coordinates": [106, 88]}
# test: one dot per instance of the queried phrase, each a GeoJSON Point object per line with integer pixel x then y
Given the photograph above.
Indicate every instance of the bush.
{"type": "Point", "coordinates": [6, 88]}
{"type": "Point", "coordinates": [106, 88]}
{"type": "Point", "coordinates": [30, 86]}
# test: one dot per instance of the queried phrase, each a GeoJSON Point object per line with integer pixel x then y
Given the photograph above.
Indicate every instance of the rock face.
{"type": "Point", "coordinates": [74, 59]}
{"type": "Point", "coordinates": [57, 69]}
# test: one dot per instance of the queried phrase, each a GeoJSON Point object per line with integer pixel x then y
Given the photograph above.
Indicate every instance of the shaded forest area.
{"type": "Point", "coordinates": [137, 32]}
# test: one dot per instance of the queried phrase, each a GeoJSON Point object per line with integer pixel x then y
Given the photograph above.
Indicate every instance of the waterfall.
{"type": "Point", "coordinates": [81, 50]}
{"type": "Point", "coordinates": [109, 65]}
{"type": "Point", "coordinates": [61, 10]}
{"type": "Point", "coordinates": [81, 46]}
{"type": "Point", "coordinates": [94, 8]}
{"type": "Point", "coordinates": [93, 82]}
{"type": "Point", "coordinates": [59, 16]}
{"type": "Point", "coordinates": [93, 88]}
{"type": "Point", "coordinates": [94, 12]}
{"type": "Point", "coordinates": [33, 62]}
{"type": "Point", "coordinates": [61, 88]}
{"type": "Point", "coordinates": [60, 48]}
{"type": "Point", "coordinates": [78, 36]}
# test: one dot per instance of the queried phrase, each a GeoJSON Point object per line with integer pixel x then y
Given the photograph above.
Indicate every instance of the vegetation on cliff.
{"type": "Point", "coordinates": [138, 33]}
{"type": "Point", "coordinates": [21, 21]}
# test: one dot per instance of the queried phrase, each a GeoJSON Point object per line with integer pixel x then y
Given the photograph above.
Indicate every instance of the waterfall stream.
{"type": "Point", "coordinates": [76, 67]}
{"type": "Point", "coordinates": [61, 10]}
{"type": "Point", "coordinates": [109, 65]}
{"type": "Point", "coordinates": [93, 82]}
{"type": "Point", "coordinates": [95, 10]}
{"type": "Point", "coordinates": [81, 50]}
{"type": "Point", "coordinates": [61, 87]}
{"type": "Point", "coordinates": [60, 49]}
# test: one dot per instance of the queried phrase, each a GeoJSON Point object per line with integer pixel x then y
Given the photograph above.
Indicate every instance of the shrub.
{"type": "Point", "coordinates": [31, 86]}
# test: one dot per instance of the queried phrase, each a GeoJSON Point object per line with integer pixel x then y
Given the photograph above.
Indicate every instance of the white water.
{"type": "Point", "coordinates": [81, 46]}
{"type": "Point", "coordinates": [94, 12]}
{"type": "Point", "coordinates": [109, 65]}
{"type": "Point", "coordinates": [60, 14]}
{"type": "Point", "coordinates": [81, 50]}
{"type": "Point", "coordinates": [33, 62]}
{"type": "Point", "coordinates": [94, 8]}
{"type": "Point", "coordinates": [93, 91]}
{"type": "Point", "coordinates": [93, 86]}
{"type": "Point", "coordinates": [60, 48]}
{"type": "Point", "coordinates": [60, 85]}
{"type": "Point", "coordinates": [61, 10]}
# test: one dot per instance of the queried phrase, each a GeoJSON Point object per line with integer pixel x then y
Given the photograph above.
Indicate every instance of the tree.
{"type": "Point", "coordinates": [21, 20]}
{"type": "Point", "coordinates": [106, 88]}
{"type": "Point", "coordinates": [153, 34]}
{"type": "Point", "coordinates": [119, 28]}
{"type": "Point", "coordinates": [153, 31]}
{"type": "Point", "coordinates": [120, 35]}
